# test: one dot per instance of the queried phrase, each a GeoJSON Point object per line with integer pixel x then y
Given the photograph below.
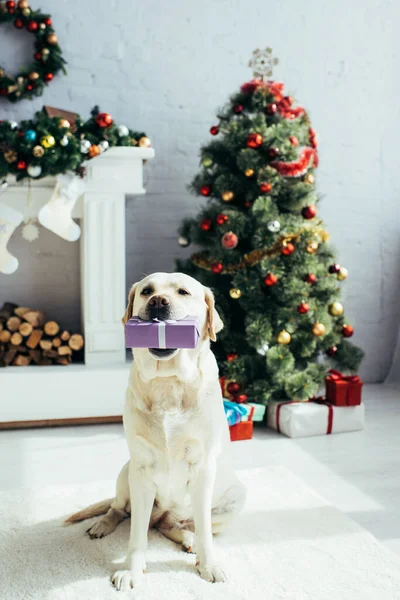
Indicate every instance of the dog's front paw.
{"type": "Point", "coordinates": [125, 580]}
{"type": "Point", "coordinates": [212, 573]}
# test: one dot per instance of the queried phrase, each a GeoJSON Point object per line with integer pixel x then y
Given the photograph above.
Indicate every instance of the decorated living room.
{"type": "Point", "coordinates": [199, 316]}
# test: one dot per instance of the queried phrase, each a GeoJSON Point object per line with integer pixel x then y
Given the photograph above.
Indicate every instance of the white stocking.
{"type": "Point", "coordinates": [9, 221]}
{"type": "Point", "coordinates": [56, 214]}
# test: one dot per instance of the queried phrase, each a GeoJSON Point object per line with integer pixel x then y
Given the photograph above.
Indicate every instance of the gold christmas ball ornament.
{"type": "Point", "coordinates": [45, 52]}
{"type": "Point", "coordinates": [249, 172]}
{"type": "Point", "coordinates": [144, 142]}
{"type": "Point", "coordinates": [207, 162]}
{"type": "Point", "coordinates": [283, 337]}
{"type": "Point", "coordinates": [312, 247]}
{"type": "Point", "coordinates": [318, 329]}
{"type": "Point", "coordinates": [26, 12]}
{"type": "Point", "coordinates": [47, 141]}
{"type": "Point", "coordinates": [309, 178]}
{"type": "Point", "coordinates": [52, 39]}
{"type": "Point", "coordinates": [336, 309]}
{"type": "Point", "coordinates": [33, 76]}
{"type": "Point", "coordinates": [64, 123]}
{"type": "Point", "coordinates": [38, 151]}
{"type": "Point", "coordinates": [20, 80]}
{"type": "Point", "coordinates": [227, 196]}
{"type": "Point", "coordinates": [23, 4]}
{"type": "Point", "coordinates": [342, 274]}
{"type": "Point", "coordinates": [10, 156]}
{"type": "Point", "coordinates": [235, 293]}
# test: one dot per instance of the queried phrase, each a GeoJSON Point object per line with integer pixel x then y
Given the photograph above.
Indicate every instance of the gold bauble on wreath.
{"type": "Point", "coordinates": [227, 196]}
{"type": "Point", "coordinates": [144, 142]}
{"type": "Point", "coordinates": [318, 329]}
{"type": "Point", "coordinates": [309, 178]}
{"type": "Point", "coordinates": [64, 123]}
{"type": "Point", "coordinates": [343, 274]}
{"type": "Point", "coordinates": [52, 39]}
{"type": "Point", "coordinates": [249, 172]}
{"type": "Point", "coordinates": [10, 156]}
{"type": "Point", "coordinates": [26, 12]}
{"type": "Point", "coordinates": [336, 309]}
{"type": "Point", "coordinates": [283, 337]}
{"type": "Point", "coordinates": [38, 152]}
{"type": "Point", "coordinates": [312, 247]}
{"type": "Point", "coordinates": [33, 76]}
{"type": "Point", "coordinates": [235, 293]}
{"type": "Point", "coordinates": [23, 4]}
{"type": "Point", "coordinates": [47, 141]}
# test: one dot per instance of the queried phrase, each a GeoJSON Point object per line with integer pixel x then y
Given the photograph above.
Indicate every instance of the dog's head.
{"type": "Point", "coordinates": [173, 296]}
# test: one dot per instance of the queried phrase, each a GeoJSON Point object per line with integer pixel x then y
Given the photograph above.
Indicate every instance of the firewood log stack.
{"type": "Point", "coordinates": [27, 338]}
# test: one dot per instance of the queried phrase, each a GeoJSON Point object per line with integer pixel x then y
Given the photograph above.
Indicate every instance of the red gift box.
{"type": "Point", "coordinates": [241, 431]}
{"type": "Point", "coordinates": [343, 390]}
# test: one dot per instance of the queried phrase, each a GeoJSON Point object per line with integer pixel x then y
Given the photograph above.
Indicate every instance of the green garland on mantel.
{"type": "Point", "coordinates": [51, 145]}
{"type": "Point", "coordinates": [47, 59]}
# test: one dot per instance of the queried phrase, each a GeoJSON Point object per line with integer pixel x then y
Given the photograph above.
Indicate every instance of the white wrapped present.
{"type": "Point", "coordinates": [303, 419]}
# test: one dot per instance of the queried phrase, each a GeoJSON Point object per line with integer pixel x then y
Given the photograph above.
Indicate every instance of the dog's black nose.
{"type": "Point", "coordinates": [158, 301]}
{"type": "Point", "coordinates": [158, 307]}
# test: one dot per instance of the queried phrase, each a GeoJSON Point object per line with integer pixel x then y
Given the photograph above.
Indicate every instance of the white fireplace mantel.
{"type": "Point", "coordinates": [101, 210]}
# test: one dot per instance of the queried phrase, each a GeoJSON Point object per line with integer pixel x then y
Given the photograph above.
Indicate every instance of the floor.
{"type": "Point", "coordinates": [358, 472]}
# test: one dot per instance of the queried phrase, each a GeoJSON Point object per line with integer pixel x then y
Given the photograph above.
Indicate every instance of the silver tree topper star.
{"type": "Point", "coordinates": [262, 63]}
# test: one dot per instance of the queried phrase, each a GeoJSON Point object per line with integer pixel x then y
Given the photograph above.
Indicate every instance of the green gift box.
{"type": "Point", "coordinates": [259, 411]}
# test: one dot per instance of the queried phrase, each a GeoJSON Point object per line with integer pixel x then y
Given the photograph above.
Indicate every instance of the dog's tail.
{"type": "Point", "coordinates": [94, 510]}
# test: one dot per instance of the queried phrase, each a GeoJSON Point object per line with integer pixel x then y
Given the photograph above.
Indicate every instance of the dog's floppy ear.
{"type": "Point", "coordinates": [129, 308]}
{"type": "Point", "coordinates": [214, 321]}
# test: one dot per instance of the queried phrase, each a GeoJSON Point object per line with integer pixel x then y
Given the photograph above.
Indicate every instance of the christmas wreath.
{"type": "Point", "coordinates": [51, 145]}
{"type": "Point", "coordinates": [48, 60]}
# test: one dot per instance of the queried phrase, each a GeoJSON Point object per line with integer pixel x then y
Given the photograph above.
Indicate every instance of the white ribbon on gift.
{"type": "Point", "coordinates": [161, 329]}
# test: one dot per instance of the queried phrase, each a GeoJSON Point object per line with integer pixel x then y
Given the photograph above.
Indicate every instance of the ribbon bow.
{"type": "Point", "coordinates": [335, 375]}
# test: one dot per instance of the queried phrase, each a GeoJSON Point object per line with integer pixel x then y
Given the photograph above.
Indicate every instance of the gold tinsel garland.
{"type": "Point", "coordinates": [256, 256]}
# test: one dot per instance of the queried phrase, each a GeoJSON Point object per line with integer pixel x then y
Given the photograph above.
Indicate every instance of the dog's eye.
{"type": "Point", "coordinates": [183, 292]}
{"type": "Point", "coordinates": [146, 291]}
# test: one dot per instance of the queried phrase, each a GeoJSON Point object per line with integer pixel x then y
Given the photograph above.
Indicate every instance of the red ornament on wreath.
{"type": "Point", "coordinates": [32, 26]}
{"type": "Point", "coordinates": [309, 212]}
{"type": "Point", "coordinates": [303, 308]}
{"type": "Point", "coordinates": [229, 240]}
{"type": "Point", "coordinates": [206, 224]}
{"type": "Point", "coordinates": [21, 165]}
{"type": "Point", "coordinates": [233, 387]}
{"type": "Point", "coordinates": [48, 76]}
{"type": "Point", "coordinates": [221, 219]}
{"type": "Point", "coordinates": [214, 130]}
{"type": "Point", "coordinates": [274, 152]}
{"type": "Point", "coordinates": [254, 140]}
{"type": "Point", "coordinates": [293, 140]}
{"type": "Point", "coordinates": [238, 108]}
{"type": "Point", "coordinates": [18, 23]}
{"type": "Point", "coordinates": [335, 268]}
{"type": "Point", "coordinates": [332, 351]}
{"type": "Point", "coordinates": [205, 190]}
{"type": "Point", "coordinates": [288, 249]}
{"type": "Point", "coordinates": [271, 108]}
{"type": "Point", "coordinates": [270, 280]}
{"type": "Point", "coordinates": [232, 356]}
{"type": "Point", "coordinates": [265, 187]}
{"type": "Point", "coordinates": [10, 6]}
{"type": "Point", "coordinates": [347, 330]}
{"type": "Point", "coordinates": [48, 22]}
{"type": "Point", "coordinates": [311, 278]}
{"type": "Point", "coordinates": [217, 268]}
{"type": "Point", "coordinates": [104, 119]}
{"type": "Point", "coordinates": [241, 398]}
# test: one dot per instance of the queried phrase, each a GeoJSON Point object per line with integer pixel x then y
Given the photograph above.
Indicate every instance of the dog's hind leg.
{"type": "Point", "coordinates": [118, 511]}
{"type": "Point", "coordinates": [180, 536]}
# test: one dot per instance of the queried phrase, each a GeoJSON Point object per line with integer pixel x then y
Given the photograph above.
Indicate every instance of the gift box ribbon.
{"type": "Point", "coordinates": [317, 401]}
{"type": "Point", "coordinates": [162, 325]}
{"type": "Point", "coordinates": [338, 376]}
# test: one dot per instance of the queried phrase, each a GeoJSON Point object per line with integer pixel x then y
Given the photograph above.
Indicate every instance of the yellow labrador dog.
{"type": "Point", "coordinates": [179, 478]}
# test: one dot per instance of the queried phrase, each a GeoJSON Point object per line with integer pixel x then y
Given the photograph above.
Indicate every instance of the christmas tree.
{"type": "Point", "coordinates": [265, 250]}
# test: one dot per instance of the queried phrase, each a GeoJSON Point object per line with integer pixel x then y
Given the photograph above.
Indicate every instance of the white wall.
{"type": "Point", "coordinates": [166, 66]}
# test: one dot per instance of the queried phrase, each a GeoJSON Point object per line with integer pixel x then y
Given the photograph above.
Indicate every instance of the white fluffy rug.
{"type": "Point", "coordinates": [288, 544]}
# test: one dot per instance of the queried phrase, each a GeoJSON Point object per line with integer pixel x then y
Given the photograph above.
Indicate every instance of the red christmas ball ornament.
{"type": "Point", "coordinates": [347, 330]}
{"type": "Point", "coordinates": [32, 26]}
{"type": "Point", "coordinates": [18, 23]}
{"type": "Point", "coordinates": [3, 91]}
{"type": "Point", "coordinates": [29, 87]}
{"type": "Point", "coordinates": [274, 152]}
{"type": "Point", "coordinates": [247, 204]}
{"type": "Point", "coordinates": [48, 76]}
{"type": "Point", "coordinates": [332, 351]}
{"type": "Point", "coordinates": [241, 398]}
{"type": "Point", "coordinates": [21, 134]}
{"type": "Point", "coordinates": [21, 165]}
{"type": "Point", "coordinates": [265, 187]}
{"type": "Point", "coordinates": [10, 5]}
{"type": "Point", "coordinates": [238, 108]}
{"type": "Point", "coordinates": [214, 130]}
{"type": "Point", "coordinates": [312, 136]}
{"type": "Point", "coordinates": [221, 219]}
{"type": "Point", "coordinates": [206, 224]}
{"type": "Point", "coordinates": [254, 140]}
{"type": "Point", "coordinates": [232, 356]}
{"type": "Point", "coordinates": [287, 249]}
{"type": "Point", "coordinates": [37, 56]}
{"type": "Point", "coordinates": [288, 100]}
{"type": "Point", "coordinates": [303, 308]}
{"type": "Point", "coordinates": [229, 240]}
{"type": "Point", "coordinates": [335, 268]}
{"type": "Point", "coordinates": [309, 212]}
{"type": "Point", "coordinates": [271, 108]}
{"type": "Point", "coordinates": [205, 190]}
{"type": "Point", "coordinates": [48, 22]}
{"type": "Point", "coordinates": [311, 278]}
{"type": "Point", "coordinates": [103, 119]}
{"type": "Point", "coordinates": [293, 140]}
{"type": "Point", "coordinates": [217, 268]}
{"type": "Point", "coordinates": [270, 279]}
{"type": "Point", "coordinates": [233, 387]}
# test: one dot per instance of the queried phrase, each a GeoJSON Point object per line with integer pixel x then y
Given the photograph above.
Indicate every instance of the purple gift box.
{"type": "Point", "coordinates": [162, 334]}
